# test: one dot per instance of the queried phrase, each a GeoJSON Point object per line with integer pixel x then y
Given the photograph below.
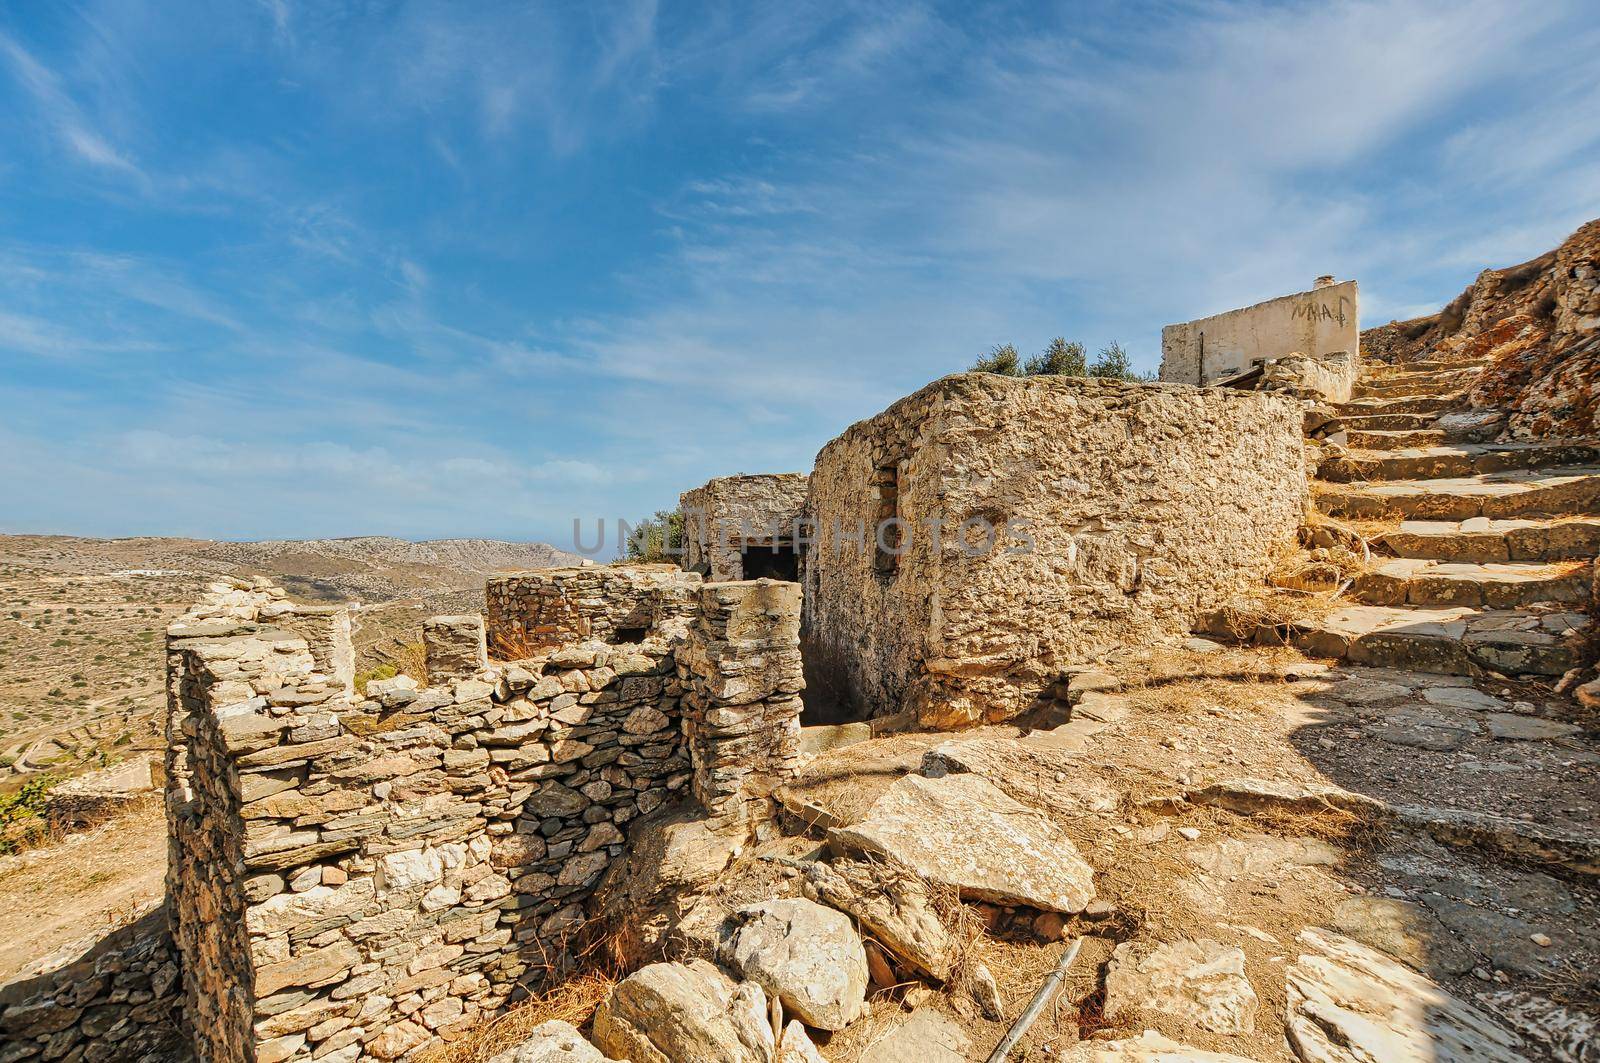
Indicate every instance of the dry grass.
{"type": "Point", "coordinates": [412, 660]}
{"type": "Point", "coordinates": [511, 646]}
{"type": "Point", "coordinates": [573, 1001]}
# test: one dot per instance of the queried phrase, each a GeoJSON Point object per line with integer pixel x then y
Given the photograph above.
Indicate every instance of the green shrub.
{"type": "Point", "coordinates": [1001, 360]}
{"type": "Point", "coordinates": [1059, 359]}
{"type": "Point", "coordinates": [655, 535]}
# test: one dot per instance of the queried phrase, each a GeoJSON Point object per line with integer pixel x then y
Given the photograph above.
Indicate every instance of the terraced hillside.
{"type": "Point", "coordinates": [81, 621]}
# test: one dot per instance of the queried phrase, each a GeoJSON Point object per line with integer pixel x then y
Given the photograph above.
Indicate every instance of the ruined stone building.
{"type": "Point", "coordinates": [1017, 527]}
{"type": "Point", "coordinates": [744, 527]}
{"type": "Point", "coordinates": [1321, 325]}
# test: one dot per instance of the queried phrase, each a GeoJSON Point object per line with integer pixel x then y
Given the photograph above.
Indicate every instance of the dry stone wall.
{"type": "Point", "coordinates": [118, 1001]}
{"type": "Point", "coordinates": [532, 611]}
{"type": "Point", "coordinates": [357, 876]}
{"type": "Point", "coordinates": [1132, 508]}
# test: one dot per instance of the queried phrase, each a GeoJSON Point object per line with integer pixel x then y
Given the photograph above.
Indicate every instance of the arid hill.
{"type": "Point", "coordinates": [80, 631]}
{"type": "Point", "coordinates": [1538, 322]}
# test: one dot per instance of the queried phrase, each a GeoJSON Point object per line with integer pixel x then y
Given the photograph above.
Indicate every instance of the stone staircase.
{"type": "Point", "coordinates": [1492, 544]}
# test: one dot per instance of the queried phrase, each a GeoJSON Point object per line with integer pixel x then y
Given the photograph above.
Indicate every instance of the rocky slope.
{"type": "Point", "coordinates": [1538, 326]}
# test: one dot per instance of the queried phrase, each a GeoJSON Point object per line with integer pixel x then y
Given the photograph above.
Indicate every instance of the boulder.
{"type": "Point", "coordinates": [1351, 1004]}
{"type": "Point", "coordinates": [807, 955]}
{"type": "Point", "coordinates": [552, 1042]}
{"type": "Point", "coordinates": [670, 1012]}
{"type": "Point", "coordinates": [1193, 983]}
{"type": "Point", "coordinates": [892, 903]}
{"type": "Point", "coordinates": [963, 831]}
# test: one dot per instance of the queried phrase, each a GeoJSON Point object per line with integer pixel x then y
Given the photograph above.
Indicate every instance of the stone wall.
{"type": "Point", "coordinates": [731, 514]}
{"type": "Point", "coordinates": [118, 1001]}
{"type": "Point", "coordinates": [1313, 324]}
{"type": "Point", "coordinates": [741, 674]}
{"type": "Point", "coordinates": [358, 876]}
{"type": "Point", "coordinates": [532, 611]}
{"type": "Point", "coordinates": [1136, 508]}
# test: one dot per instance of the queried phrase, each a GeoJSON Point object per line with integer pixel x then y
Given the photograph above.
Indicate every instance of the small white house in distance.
{"type": "Point", "coordinates": [1317, 323]}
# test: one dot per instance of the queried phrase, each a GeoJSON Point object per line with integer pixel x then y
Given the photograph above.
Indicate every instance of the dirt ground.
{"type": "Point", "coordinates": [56, 901]}
{"type": "Point", "coordinates": [1173, 869]}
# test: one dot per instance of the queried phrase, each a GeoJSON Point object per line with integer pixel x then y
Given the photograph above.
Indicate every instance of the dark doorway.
{"type": "Point", "coordinates": [780, 561]}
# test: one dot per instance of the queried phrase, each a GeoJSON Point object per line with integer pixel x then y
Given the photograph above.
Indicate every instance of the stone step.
{"type": "Point", "coordinates": [1433, 403]}
{"type": "Point", "coordinates": [1494, 585]}
{"type": "Point", "coordinates": [1440, 374]}
{"type": "Point", "coordinates": [1459, 459]}
{"type": "Point", "coordinates": [1480, 539]}
{"type": "Point", "coordinates": [1393, 439]}
{"type": "Point", "coordinates": [1523, 493]}
{"type": "Point", "coordinates": [1387, 422]}
{"type": "Point", "coordinates": [1426, 365]}
{"type": "Point", "coordinates": [1412, 386]}
{"type": "Point", "coordinates": [1450, 641]}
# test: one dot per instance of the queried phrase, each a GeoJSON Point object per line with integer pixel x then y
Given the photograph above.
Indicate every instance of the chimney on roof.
{"type": "Point", "coordinates": [1324, 281]}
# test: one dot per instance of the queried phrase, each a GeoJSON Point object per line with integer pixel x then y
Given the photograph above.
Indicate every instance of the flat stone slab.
{"type": "Point", "coordinates": [965, 832]}
{"type": "Point", "coordinates": [1348, 1003]}
{"type": "Point", "coordinates": [925, 1037]}
{"type": "Point", "coordinates": [1454, 697]}
{"type": "Point", "coordinates": [1511, 726]}
{"type": "Point", "coordinates": [1195, 983]}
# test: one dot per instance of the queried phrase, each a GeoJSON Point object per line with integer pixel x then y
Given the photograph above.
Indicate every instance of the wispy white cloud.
{"type": "Point", "coordinates": [61, 114]}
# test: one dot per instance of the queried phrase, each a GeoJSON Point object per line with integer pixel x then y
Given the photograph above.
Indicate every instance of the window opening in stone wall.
{"type": "Point", "coordinates": [628, 634]}
{"type": "Point", "coordinates": [886, 527]}
{"type": "Point", "coordinates": [776, 560]}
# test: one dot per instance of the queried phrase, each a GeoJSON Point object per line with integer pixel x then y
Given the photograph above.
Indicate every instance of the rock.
{"type": "Point", "coordinates": [669, 1012]}
{"type": "Point", "coordinates": [1407, 931]}
{"type": "Point", "coordinates": [308, 968]}
{"type": "Point", "coordinates": [1256, 795]}
{"type": "Point", "coordinates": [796, 1046]}
{"type": "Point", "coordinates": [552, 1042]}
{"type": "Point", "coordinates": [809, 812]}
{"type": "Point", "coordinates": [821, 738]}
{"type": "Point", "coordinates": [807, 955]}
{"type": "Point", "coordinates": [1571, 1035]}
{"type": "Point", "coordinates": [1506, 941]}
{"type": "Point", "coordinates": [880, 971]}
{"type": "Point", "coordinates": [963, 831]}
{"type": "Point", "coordinates": [1050, 926]}
{"type": "Point", "coordinates": [892, 903]}
{"type": "Point", "coordinates": [1195, 983]}
{"type": "Point", "coordinates": [924, 1037]}
{"type": "Point", "coordinates": [985, 993]}
{"type": "Point", "coordinates": [1351, 1004]}
{"type": "Point", "coordinates": [1510, 726]}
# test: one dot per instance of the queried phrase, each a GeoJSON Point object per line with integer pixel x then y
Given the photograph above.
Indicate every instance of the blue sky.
{"type": "Point", "coordinates": [293, 269]}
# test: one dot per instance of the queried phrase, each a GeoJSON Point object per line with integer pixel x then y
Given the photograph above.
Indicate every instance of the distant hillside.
{"type": "Point", "coordinates": [82, 623]}
{"type": "Point", "coordinates": [1539, 322]}
{"type": "Point", "coordinates": [370, 568]}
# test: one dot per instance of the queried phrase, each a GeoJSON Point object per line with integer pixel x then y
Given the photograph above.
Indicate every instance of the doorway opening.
{"type": "Point", "coordinates": [778, 560]}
